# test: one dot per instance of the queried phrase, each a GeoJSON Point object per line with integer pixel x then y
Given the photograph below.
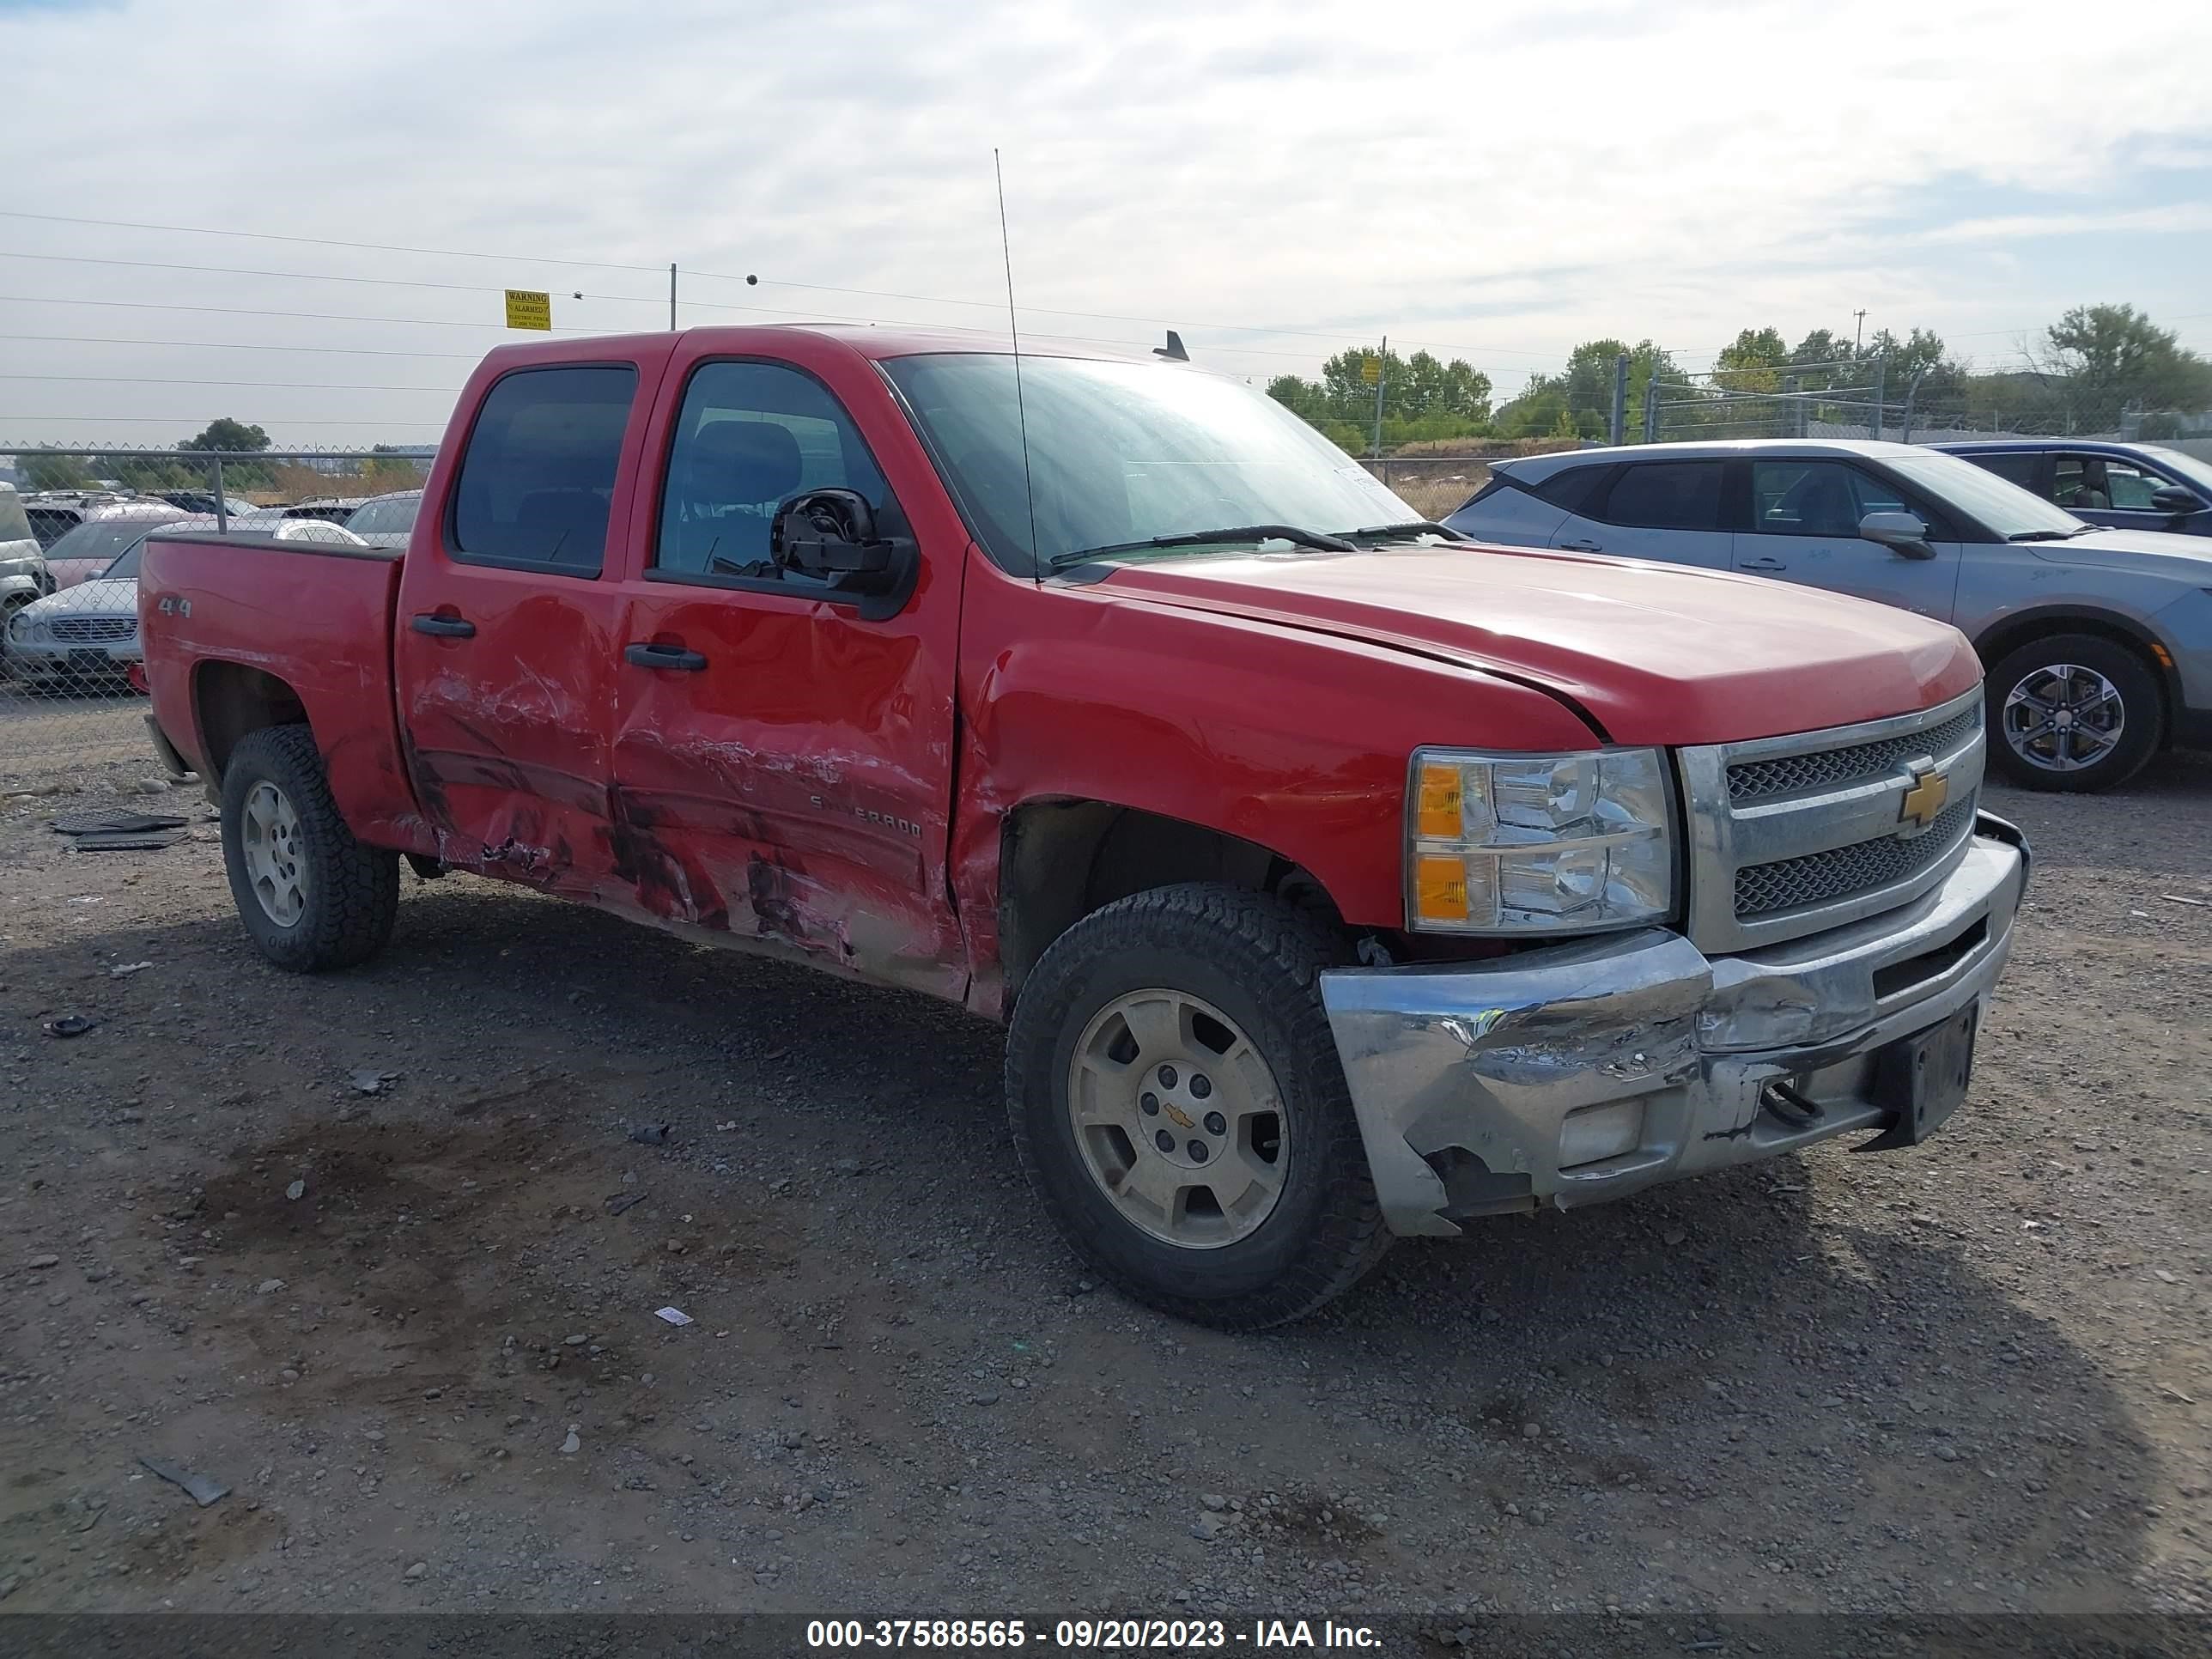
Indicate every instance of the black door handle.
{"type": "Point", "coordinates": [1763, 562]}
{"type": "Point", "coordinates": [1580, 544]}
{"type": "Point", "coordinates": [663, 656]}
{"type": "Point", "coordinates": [445, 627]}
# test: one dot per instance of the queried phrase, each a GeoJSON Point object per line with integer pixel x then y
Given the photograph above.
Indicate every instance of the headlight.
{"type": "Point", "coordinates": [19, 627]}
{"type": "Point", "coordinates": [1537, 843]}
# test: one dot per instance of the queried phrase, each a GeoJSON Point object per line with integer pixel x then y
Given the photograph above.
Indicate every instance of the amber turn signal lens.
{"type": "Point", "coordinates": [1437, 806]}
{"type": "Point", "coordinates": [1440, 889]}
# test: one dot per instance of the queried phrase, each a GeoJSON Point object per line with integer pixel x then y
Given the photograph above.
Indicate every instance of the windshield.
{"type": "Point", "coordinates": [100, 538]}
{"type": "Point", "coordinates": [2187, 466]}
{"type": "Point", "coordinates": [127, 566]}
{"type": "Point", "coordinates": [1122, 452]}
{"type": "Point", "coordinates": [2005, 509]}
{"type": "Point", "coordinates": [385, 518]}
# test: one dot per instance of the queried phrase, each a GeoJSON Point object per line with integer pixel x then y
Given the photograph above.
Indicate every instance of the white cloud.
{"type": "Point", "coordinates": [1508, 177]}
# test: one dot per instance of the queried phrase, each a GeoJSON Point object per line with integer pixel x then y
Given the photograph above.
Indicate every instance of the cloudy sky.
{"type": "Point", "coordinates": [1495, 181]}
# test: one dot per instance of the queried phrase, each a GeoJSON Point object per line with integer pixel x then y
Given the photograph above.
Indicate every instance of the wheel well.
{"type": "Point", "coordinates": [1060, 860]}
{"type": "Point", "coordinates": [233, 699]}
{"type": "Point", "coordinates": [2009, 636]}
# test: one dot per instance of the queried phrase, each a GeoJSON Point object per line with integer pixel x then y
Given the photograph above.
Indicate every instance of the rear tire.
{"type": "Point", "coordinates": [1207, 983]}
{"type": "Point", "coordinates": [311, 896]}
{"type": "Point", "coordinates": [2073, 713]}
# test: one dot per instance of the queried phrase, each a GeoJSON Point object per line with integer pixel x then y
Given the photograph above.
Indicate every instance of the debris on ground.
{"type": "Point", "coordinates": [204, 1489]}
{"type": "Point", "coordinates": [125, 970]}
{"type": "Point", "coordinates": [116, 822]}
{"type": "Point", "coordinates": [368, 1081]}
{"type": "Point", "coordinates": [575, 1442]}
{"type": "Point", "coordinates": [297, 1190]}
{"type": "Point", "coordinates": [620, 1202]}
{"type": "Point", "coordinates": [650, 1134]}
{"type": "Point", "coordinates": [46, 1260]}
{"type": "Point", "coordinates": [2175, 898]}
{"type": "Point", "coordinates": [673, 1316]}
{"type": "Point", "coordinates": [105, 843]}
{"type": "Point", "coordinates": [68, 1026]}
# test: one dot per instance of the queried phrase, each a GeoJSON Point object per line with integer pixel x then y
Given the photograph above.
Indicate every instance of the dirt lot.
{"type": "Point", "coordinates": [1975, 1375]}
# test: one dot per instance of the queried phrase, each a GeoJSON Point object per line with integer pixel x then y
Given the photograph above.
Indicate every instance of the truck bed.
{"type": "Point", "coordinates": [231, 622]}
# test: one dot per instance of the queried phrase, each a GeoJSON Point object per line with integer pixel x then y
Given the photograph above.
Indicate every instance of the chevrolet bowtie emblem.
{"type": "Point", "coordinates": [1925, 798]}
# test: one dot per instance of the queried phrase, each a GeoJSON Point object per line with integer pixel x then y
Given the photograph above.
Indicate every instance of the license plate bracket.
{"type": "Point", "coordinates": [1922, 1078]}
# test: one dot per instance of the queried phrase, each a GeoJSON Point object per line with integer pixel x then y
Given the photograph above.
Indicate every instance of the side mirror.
{"type": "Point", "coordinates": [2173, 498]}
{"type": "Point", "coordinates": [831, 534]}
{"type": "Point", "coordinates": [1902, 533]}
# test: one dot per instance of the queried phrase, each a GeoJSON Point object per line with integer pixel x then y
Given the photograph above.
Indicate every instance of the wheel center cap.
{"type": "Point", "coordinates": [1176, 1115]}
{"type": "Point", "coordinates": [2065, 718]}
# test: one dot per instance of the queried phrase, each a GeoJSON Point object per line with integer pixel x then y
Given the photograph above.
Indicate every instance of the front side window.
{"type": "Point", "coordinates": [1667, 495]}
{"type": "Point", "coordinates": [2097, 482]}
{"type": "Point", "coordinates": [750, 437]}
{"type": "Point", "coordinates": [538, 477]}
{"type": "Point", "coordinates": [1118, 453]}
{"type": "Point", "coordinates": [1816, 498]}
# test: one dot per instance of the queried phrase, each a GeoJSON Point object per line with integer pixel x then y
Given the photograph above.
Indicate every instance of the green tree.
{"type": "Point", "coordinates": [54, 471]}
{"type": "Point", "coordinates": [1424, 398]}
{"type": "Point", "coordinates": [1752, 362]}
{"type": "Point", "coordinates": [228, 437]}
{"type": "Point", "coordinates": [2114, 354]}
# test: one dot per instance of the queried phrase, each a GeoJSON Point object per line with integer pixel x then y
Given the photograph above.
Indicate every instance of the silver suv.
{"type": "Point", "coordinates": [2098, 643]}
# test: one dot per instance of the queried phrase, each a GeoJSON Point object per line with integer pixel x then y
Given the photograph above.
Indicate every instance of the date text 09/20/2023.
{"type": "Point", "coordinates": [1170, 1634]}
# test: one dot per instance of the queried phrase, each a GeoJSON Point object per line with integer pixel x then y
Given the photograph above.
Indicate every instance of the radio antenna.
{"type": "Point", "coordinates": [1014, 331]}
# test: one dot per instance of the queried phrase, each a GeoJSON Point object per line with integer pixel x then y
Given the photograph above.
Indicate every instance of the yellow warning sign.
{"type": "Point", "coordinates": [1370, 369]}
{"type": "Point", "coordinates": [528, 310]}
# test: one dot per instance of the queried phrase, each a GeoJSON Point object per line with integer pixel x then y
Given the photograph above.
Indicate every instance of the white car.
{"type": "Point", "coordinates": [86, 637]}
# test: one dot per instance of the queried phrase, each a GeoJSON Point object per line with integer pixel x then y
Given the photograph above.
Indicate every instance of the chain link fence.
{"type": "Point", "coordinates": [1858, 400]}
{"type": "Point", "coordinates": [72, 525]}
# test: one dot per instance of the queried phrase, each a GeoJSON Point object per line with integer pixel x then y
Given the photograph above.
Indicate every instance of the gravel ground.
{"type": "Point", "coordinates": [1974, 1375]}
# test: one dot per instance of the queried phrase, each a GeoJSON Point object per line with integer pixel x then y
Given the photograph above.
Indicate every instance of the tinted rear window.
{"type": "Point", "coordinates": [1570, 488]}
{"type": "Point", "coordinates": [539, 474]}
{"type": "Point", "coordinates": [101, 539]}
{"type": "Point", "coordinates": [1667, 495]}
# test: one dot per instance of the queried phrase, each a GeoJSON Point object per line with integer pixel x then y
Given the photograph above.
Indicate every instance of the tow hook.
{"type": "Point", "coordinates": [1791, 1107]}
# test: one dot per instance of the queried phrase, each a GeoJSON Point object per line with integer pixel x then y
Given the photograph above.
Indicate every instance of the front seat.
{"type": "Point", "coordinates": [1823, 508]}
{"type": "Point", "coordinates": [738, 473]}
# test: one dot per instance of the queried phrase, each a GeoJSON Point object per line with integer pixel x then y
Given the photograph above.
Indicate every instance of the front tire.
{"type": "Point", "coordinates": [312, 896]}
{"type": "Point", "coordinates": [2073, 713]}
{"type": "Point", "coordinates": [1176, 1098]}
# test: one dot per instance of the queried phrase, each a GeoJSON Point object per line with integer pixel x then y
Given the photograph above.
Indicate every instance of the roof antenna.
{"type": "Point", "coordinates": [1014, 330]}
{"type": "Point", "coordinates": [1172, 350]}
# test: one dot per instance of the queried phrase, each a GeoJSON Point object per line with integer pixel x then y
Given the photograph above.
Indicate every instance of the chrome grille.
{"type": "Point", "coordinates": [95, 630]}
{"type": "Point", "coordinates": [1799, 775]}
{"type": "Point", "coordinates": [1791, 835]}
{"type": "Point", "coordinates": [1791, 884]}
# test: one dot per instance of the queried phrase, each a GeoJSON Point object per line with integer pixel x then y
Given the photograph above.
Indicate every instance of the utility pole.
{"type": "Point", "coordinates": [671, 295]}
{"type": "Point", "coordinates": [1381, 380]}
{"type": "Point", "coordinates": [1617, 429]}
{"type": "Point", "coordinates": [1859, 331]}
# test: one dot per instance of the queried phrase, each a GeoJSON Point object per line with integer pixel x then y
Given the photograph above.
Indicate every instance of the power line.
{"type": "Point", "coordinates": [270, 386]}
{"type": "Point", "coordinates": [244, 345]}
{"type": "Point", "coordinates": [143, 419]}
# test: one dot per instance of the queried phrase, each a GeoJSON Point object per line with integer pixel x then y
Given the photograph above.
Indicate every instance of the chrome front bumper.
{"type": "Point", "coordinates": [1576, 1073]}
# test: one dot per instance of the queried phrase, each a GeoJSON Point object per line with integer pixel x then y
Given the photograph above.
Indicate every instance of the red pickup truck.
{"type": "Point", "coordinates": [1334, 880]}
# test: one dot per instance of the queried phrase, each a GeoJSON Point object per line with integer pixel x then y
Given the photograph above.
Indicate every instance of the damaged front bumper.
{"type": "Point", "coordinates": [1575, 1074]}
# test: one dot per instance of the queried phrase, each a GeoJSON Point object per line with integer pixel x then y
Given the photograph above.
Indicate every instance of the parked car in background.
{"type": "Point", "coordinates": [199, 500]}
{"type": "Point", "coordinates": [85, 637]}
{"type": "Point", "coordinates": [2098, 642]}
{"type": "Point", "coordinates": [103, 530]}
{"type": "Point", "coordinates": [2122, 486]}
{"type": "Point", "coordinates": [23, 574]}
{"type": "Point", "coordinates": [386, 520]}
{"type": "Point", "coordinates": [331, 509]}
{"type": "Point", "coordinates": [54, 512]}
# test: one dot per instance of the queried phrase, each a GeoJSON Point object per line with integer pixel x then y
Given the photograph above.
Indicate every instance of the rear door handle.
{"type": "Point", "coordinates": [1580, 545]}
{"type": "Point", "coordinates": [662, 656]}
{"type": "Point", "coordinates": [1762, 563]}
{"type": "Point", "coordinates": [445, 627]}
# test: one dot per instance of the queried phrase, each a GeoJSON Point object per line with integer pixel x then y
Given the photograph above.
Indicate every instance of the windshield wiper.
{"type": "Point", "coordinates": [1242, 533]}
{"type": "Point", "coordinates": [1416, 527]}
